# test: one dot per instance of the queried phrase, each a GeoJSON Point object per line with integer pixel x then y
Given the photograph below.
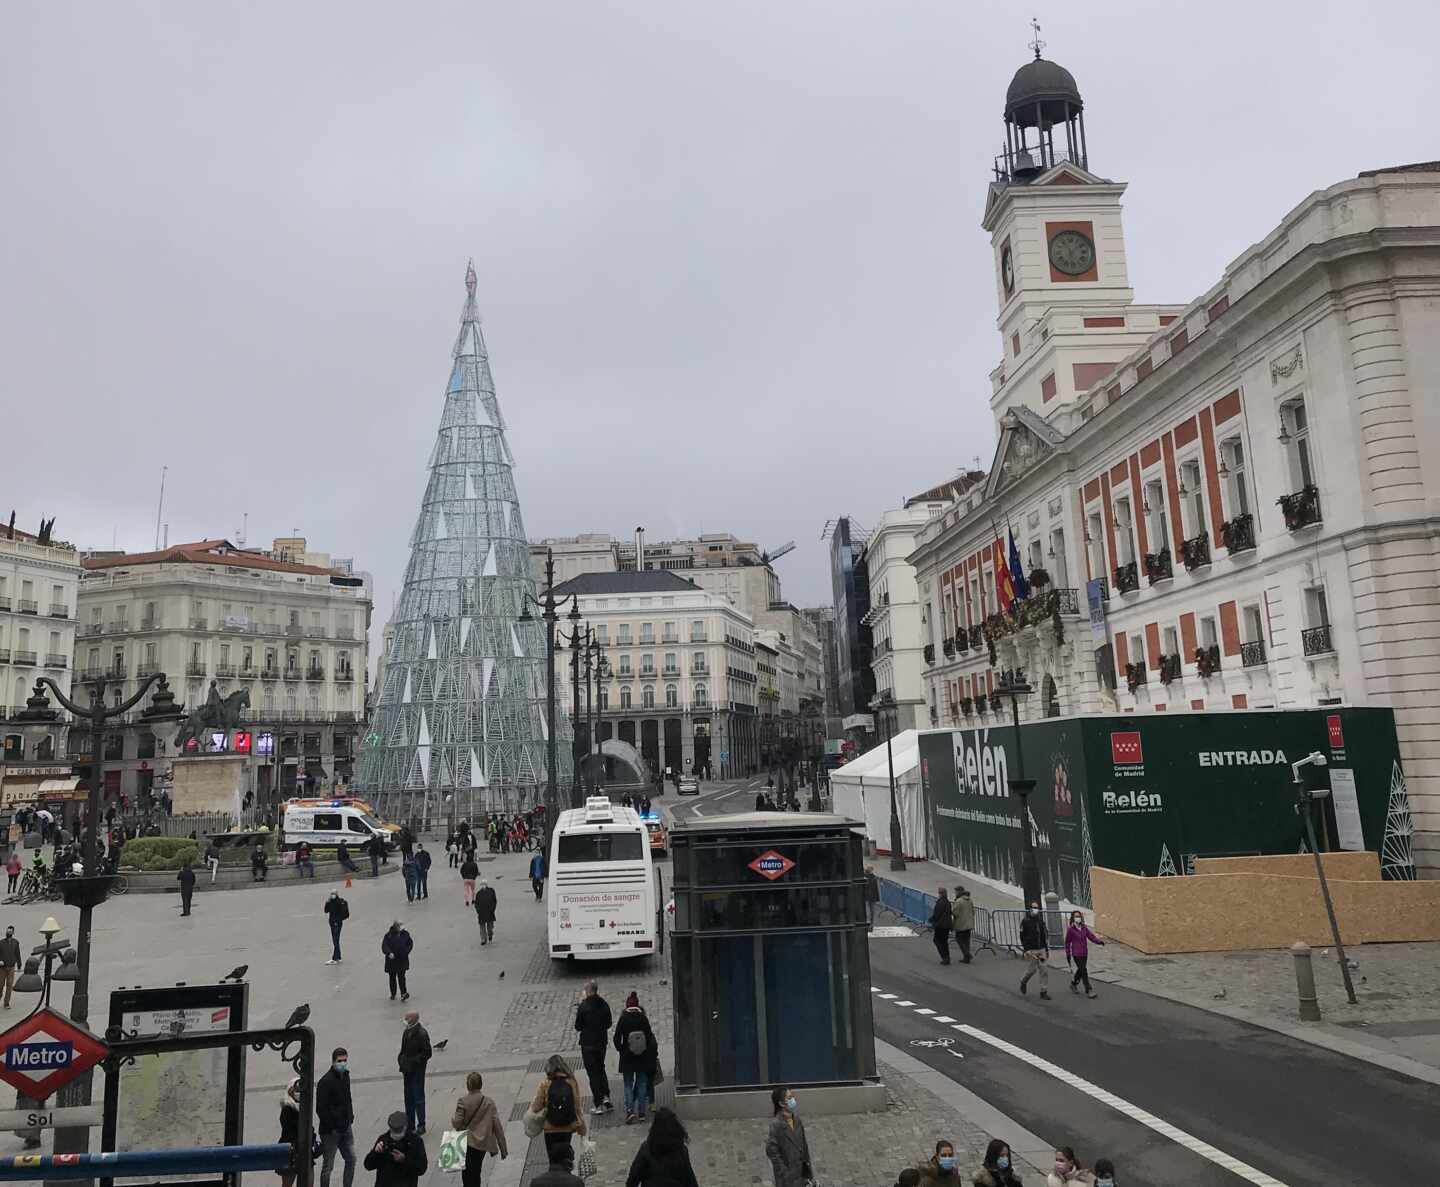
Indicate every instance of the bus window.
{"type": "Point", "coordinates": [616, 846]}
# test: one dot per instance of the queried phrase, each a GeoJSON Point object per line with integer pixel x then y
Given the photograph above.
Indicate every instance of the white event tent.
{"type": "Point", "coordinates": [861, 790]}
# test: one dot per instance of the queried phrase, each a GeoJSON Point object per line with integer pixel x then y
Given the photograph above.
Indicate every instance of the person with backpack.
{"type": "Point", "coordinates": [396, 948]}
{"type": "Point", "coordinates": [1034, 946]}
{"type": "Point", "coordinates": [557, 1099]}
{"type": "Point", "coordinates": [639, 1058]}
{"type": "Point", "coordinates": [337, 910]}
{"type": "Point", "coordinates": [469, 871]}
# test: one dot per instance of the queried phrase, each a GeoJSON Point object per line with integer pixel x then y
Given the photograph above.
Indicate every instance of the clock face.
{"type": "Point", "coordinates": [1007, 270]}
{"type": "Point", "coordinates": [1072, 253]}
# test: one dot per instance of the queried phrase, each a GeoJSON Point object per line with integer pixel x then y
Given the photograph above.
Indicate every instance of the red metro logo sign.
{"type": "Point", "coordinates": [45, 1052]}
{"type": "Point", "coordinates": [772, 865]}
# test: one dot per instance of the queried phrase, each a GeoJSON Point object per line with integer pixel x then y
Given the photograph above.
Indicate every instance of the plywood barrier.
{"type": "Point", "coordinates": [1355, 867]}
{"type": "Point", "coordinates": [1236, 911]}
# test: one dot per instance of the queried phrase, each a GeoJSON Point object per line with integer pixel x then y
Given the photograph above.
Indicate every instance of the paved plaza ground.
{"type": "Point", "coordinates": [503, 1027]}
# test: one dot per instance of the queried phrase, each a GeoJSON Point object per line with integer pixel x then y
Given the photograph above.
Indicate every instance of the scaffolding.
{"type": "Point", "coordinates": [459, 725]}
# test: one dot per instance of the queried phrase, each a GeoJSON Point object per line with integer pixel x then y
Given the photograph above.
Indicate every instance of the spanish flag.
{"type": "Point", "coordinates": [1004, 583]}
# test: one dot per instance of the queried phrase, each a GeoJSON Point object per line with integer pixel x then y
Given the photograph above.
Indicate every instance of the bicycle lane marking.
{"type": "Point", "coordinates": [1243, 1169]}
{"type": "Point", "coordinates": [1173, 1132]}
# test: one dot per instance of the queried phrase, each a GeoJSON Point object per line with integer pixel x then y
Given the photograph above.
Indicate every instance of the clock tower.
{"type": "Point", "coordinates": [1055, 231]}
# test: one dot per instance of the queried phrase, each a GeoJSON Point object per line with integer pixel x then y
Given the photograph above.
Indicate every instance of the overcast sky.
{"type": "Point", "coordinates": [730, 265]}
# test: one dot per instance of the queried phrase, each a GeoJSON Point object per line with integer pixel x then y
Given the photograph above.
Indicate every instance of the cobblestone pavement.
{"type": "Point", "coordinates": [1398, 985]}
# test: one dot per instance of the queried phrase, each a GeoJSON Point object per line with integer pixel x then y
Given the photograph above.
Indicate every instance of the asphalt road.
{"type": "Point", "coordinates": [1174, 1095]}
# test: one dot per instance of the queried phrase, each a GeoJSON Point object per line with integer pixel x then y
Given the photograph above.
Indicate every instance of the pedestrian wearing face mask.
{"type": "Point", "coordinates": [996, 1171]}
{"type": "Point", "coordinates": [398, 1156]}
{"type": "Point", "coordinates": [785, 1143]}
{"type": "Point", "coordinates": [335, 1113]}
{"type": "Point", "coordinates": [1067, 1169]}
{"type": "Point", "coordinates": [940, 1170]}
{"type": "Point", "coordinates": [1034, 947]}
{"type": "Point", "coordinates": [1078, 939]}
{"type": "Point", "coordinates": [1104, 1173]}
{"type": "Point", "coordinates": [942, 919]}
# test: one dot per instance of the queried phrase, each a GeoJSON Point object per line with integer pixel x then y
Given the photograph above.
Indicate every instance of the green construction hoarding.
{"type": "Point", "coordinates": [1149, 795]}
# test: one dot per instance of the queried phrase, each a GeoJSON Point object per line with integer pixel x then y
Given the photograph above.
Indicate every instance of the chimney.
{"type": "Point", "coordinates": [639, 550]}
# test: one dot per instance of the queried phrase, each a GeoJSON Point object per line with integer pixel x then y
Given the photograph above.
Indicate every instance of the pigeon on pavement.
{"type": "Point", "coordinates": [237, 973]}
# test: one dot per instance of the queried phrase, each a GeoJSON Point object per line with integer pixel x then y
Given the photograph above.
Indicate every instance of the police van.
{"type": "Point", "coordinates": [325, 824]}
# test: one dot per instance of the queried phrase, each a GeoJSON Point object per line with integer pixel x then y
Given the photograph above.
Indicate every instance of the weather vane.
{"type": "Point", "coordinates": [1037, 45]}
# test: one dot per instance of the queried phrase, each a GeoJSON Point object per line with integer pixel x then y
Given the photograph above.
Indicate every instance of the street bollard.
{"type": "Point", "coordinates": [1054, 925]}
{"type": "Point", "coordinates": [1305, 983]}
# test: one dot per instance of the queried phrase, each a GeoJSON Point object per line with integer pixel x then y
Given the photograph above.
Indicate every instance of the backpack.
{"type": "Point", "coordinates": [637, 1042]}
{"type": "Point", "coordinates": [342, 909]}
{"type": "Point", "coordinates": [560, 1103]}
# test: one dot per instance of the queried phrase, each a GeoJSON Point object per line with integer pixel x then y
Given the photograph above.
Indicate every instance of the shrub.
{"type": "Point", "coordinates": [158, 853]}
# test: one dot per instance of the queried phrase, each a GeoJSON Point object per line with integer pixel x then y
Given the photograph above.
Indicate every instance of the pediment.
{"type": "Point", "coordinates": [1026, 441]}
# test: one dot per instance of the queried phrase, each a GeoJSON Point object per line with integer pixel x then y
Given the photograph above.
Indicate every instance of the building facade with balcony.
{"type": "Point", "coordinates": [38, 582]}
{"type": "Point", "coordinates": [1240, 477]}
{"type": "Point", "coordinates": [681, 683]}
{"type": "Point", "coordinates": [293, 637]}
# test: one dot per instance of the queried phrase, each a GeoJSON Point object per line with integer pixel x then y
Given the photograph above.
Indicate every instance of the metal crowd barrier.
{"type": "Point", "coordinates": [994, 929]}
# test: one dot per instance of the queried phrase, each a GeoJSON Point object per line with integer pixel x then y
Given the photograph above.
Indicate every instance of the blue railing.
{"type": "Point", "coordinates": [200, 1160]}
{"type": "Point", "coordinates": [999, 928]}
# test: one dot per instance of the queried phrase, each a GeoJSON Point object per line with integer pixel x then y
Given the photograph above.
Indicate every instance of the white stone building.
{"type": "Point", "coordinates": [37, 634]}
{"type": "Point", "coordinates": [293, 636]}
{"type": "Point", "coordinates": [1242, 474]}
{"type": "Point", "coordinates": [681, 687]}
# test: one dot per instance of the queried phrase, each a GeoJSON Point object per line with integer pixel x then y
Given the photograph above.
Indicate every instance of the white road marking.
{"type": "Point", "coordinates": [954, 1053]}
{"type": "Point", "coordinates": [904, 1003]}
{"type": "Point", "coordinates": [695, 808]}
{"type": "Point", "coordinates": [1134, 1112]}
{"type": "Point", "coordinates": [923, 1010]}
{"type": "Point", "coordinates": [943, 1018]}
{"type": "Point", "coordinates": [888, 997]}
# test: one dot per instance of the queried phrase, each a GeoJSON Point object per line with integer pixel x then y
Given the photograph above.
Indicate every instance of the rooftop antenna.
{"type": "Point", "coordinates": [1036, 44]}
{"type": "Point", "coordinates": [160, 507]}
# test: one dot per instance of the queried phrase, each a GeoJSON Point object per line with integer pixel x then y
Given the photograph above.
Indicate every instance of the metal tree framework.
{"type": "Point", "coordinates": [460, 715]}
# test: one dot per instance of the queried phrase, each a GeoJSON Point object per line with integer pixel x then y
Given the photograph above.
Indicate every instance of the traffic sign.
{"type": "Point", "coordinates": [45, 1052]}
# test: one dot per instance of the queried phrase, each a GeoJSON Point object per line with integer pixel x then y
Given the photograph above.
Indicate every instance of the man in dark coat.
{"type": "Point", "coordinates": [396, 947]}
{"type": "Point", "coordinates": [335, 1117]}
{"type": "Point", "coordinates": [338, 910]}
{"type": "Point", "coordinates": [398, 1156]}
{"type": "Point", "coordinates": [422, 872]}
{"type": "Point", "coordinates": [942, 919]}
{"type": "Point", "coordinates": [186, 878]}
{"type": "Point", "coordinates": [375, 847]}
{"type": "Point", "coordinates": [485, 912]}
{"type": "Point", "coordinates": [414, 1056]}
{"type": "Point", "coordinates": [562, 1158]}
{"type": "Point", "coordinates": [592, 1020]}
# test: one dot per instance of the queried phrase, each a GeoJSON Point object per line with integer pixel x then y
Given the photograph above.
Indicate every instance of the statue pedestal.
{"type": "Point", "coordinates": [208, 783]}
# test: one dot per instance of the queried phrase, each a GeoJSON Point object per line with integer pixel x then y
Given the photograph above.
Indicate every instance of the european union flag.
{"type": "Point", "coordinates": [1017, 572]}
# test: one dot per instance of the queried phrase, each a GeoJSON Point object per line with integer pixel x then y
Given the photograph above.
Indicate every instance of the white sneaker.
{"type": "Point", "coordinates": [332, 962]}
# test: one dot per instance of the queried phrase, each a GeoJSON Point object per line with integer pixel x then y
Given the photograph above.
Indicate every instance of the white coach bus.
{"type": "Point", "coordinates": [602, 903]}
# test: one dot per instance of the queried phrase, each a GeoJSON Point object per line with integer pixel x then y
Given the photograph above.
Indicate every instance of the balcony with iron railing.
{"type": "Point", "coordinates": [269, 673]}
{"type": "Point", "coordinates": [292, 673]}
{"type": "Point", "coordinates": [1068, 601]}
{"type": "Point", "coordinates": [1252, 655]}
{"type": "Point", "coordinates": [248, 672]}
{"type": "Point", "coordinates": [144, 670]}
{"type": "Point", "coordinates": [1316, 640]}
{"type": "Point", "coordinates": [344, 632]}
{"type": "Point", "coordinates": [977, 637]}
{"type": "Point", "coordinates": [670, 638]}
{"type": "Point", "coordinates": [150, 623]}
{"type": "Point", "coordinates": [59, 610]}
{"type": "Point", "coordinates": [648, 673]}
{"type": "Point", "coordinates": [91, 629]}
{"type": "Point", "coordinates": [293, 628]}
{"type": "Point", "coordinates": [948, 647]}
{"type": "Point", "coordinates": [1301, 509]}
{"type": "Point", "coordinates": [27, 606]}
{"type": "Point", "coordinates": [225, 671]}
{"type": "Point", "coordinates": [199, 624]}
{"type": "Point", "coordinates": [344, 675]}
{"type": "Point", "coordinates": [194, 668]}
{"type": "Point", "coordinates": [23, 659]}
{"type": "Point", "coordinates": [1158, 566]}
{"type": "Point", "coordinates": [4, 655]}
{"type": "Point", "coordinates": [699, 638]}
{"type": "Point", "coordinates": [90, 675]}
{"type": "Point", "coordinates": [115, 672]}
{"type": "Point", "coordinates": [929, 653]}
{"type": "Point", "coordinates": [315, 672]}
{"type": "Point", "coordinates": [5, 603]}
{"type": "Point", "coordinates": [315, 632]}
{"type": "Point", "coordinates": [1238, 533]}
{"type": "Point", "coordinates": [1195, 551]}
{"type": "Point", "coordinates": [1127, 578]}
{"type": "Point", "coordinates": [55, 659]}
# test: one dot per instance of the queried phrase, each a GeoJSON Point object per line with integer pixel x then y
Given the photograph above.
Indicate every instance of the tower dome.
{"type": "Point", "coordinates": [1042, 96]}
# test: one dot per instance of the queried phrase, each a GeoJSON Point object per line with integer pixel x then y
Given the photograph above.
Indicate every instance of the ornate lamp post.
{"type": "Point", "coordinates": [887, 707]}
{"type": "Point", "coordinates": [576, 646]}
{"type": "Point", "coordinates": [89, 890]}
{"type": "Point", "coordinates": [31, 980]}
{"type": "Point", "coordinates": [549, 607]}
{"type": "Point", "coordinates": [1012, 684]}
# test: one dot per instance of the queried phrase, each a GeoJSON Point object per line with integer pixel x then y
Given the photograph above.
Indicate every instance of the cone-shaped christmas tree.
{"type": "Point", "coordinates": [461, 714]}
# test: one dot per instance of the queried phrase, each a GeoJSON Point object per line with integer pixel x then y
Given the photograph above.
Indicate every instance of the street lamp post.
{"type": "Point", "coordinates": [91, 889]}
{"type": "Point", "coordinates": [575, 646]}
{"type": "Point", "coordinates": [32, 980]}
{"type": "Point", "coordinates": [1012, 684]}
{"type": "Point", "coordinates": [1305, 797]}
{"type": "Point", "coordinates": [549, 608]}
{"type": "Point", "coordinates": [887, 706]}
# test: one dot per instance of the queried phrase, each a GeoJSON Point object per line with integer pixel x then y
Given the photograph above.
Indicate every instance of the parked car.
{"type": "Point", "coordinates": [689, 785]}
